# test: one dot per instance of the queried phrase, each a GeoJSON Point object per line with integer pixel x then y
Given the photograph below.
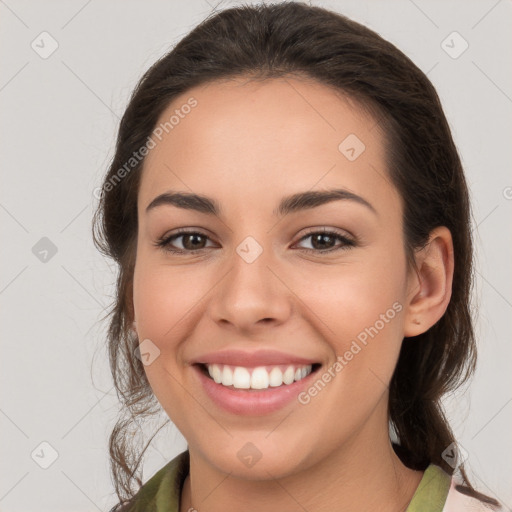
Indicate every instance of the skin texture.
{"type": "Point", "coordinates": [247, 145]}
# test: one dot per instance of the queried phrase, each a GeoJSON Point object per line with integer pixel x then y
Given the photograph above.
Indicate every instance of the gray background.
{"type": "Point", "coordinates": [59, 120]}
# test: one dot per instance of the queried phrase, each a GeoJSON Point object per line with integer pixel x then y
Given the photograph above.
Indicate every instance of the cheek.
{"type": "Point", "coordinates": [362, 306]}
{"type": "Point", "coordinates": [353, 298]}
{"type": "Point", "coordinates": [364, 332]}
{"type": "Point", "coordinates": [163, 298]}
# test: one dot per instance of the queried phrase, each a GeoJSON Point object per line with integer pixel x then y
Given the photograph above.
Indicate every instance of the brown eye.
{"type": "Point", "coordinates": [326, 241]}
{"type": "Point", "coordinates": [191, 241]}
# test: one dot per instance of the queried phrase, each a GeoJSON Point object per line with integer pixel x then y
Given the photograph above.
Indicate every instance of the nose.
{"type": "Point", "coordinates": [252, 294]}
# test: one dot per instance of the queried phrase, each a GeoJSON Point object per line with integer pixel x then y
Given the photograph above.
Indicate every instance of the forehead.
{"type": "Point", "coordinates": [273, 136]}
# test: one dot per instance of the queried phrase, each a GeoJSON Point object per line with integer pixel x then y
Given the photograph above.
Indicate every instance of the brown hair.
{"type": "Point", "coordinates": [289, 38]}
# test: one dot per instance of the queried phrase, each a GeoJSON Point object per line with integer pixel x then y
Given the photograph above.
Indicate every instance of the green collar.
{"type": "Point", "coordinates": [161, 493]}
{"type": "Point", "coordinates": [432, 491]}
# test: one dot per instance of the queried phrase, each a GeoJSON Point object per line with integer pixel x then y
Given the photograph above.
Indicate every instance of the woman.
{"type": "Point", "coordinates": [291, 222]}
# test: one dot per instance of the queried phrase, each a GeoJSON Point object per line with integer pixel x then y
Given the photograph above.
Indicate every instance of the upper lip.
{"type": "Point", "coordinates": [257, 358]}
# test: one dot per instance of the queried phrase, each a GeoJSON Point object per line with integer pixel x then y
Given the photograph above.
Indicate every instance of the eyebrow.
{"type": "Point", "coordinates": [290, 204]}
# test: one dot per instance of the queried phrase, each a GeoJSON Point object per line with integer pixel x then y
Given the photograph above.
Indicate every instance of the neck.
{"type": "Point", "coordinates": [362, 475]}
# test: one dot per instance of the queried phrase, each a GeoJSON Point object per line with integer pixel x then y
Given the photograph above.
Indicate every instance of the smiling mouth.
{"type": "Point", "coordinates": [259, 377]}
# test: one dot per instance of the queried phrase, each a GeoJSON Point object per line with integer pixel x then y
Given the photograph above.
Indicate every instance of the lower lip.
{"type": "Point", "coordinates": [252, 402]}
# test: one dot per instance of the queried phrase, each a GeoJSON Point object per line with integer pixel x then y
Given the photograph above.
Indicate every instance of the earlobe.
{"type": "Point", "coordinates": [430, 285]}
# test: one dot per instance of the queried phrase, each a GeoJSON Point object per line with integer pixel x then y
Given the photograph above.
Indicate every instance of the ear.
{"type": "Point", "coordinates": [430, 283]}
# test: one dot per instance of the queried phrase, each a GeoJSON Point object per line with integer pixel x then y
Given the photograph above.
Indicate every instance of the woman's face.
{"type": "Point", "coordinates": [252, 288]}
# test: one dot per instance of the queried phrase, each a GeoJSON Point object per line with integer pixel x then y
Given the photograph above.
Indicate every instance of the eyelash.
{"type": "Point", "coordinates": [164, 242]}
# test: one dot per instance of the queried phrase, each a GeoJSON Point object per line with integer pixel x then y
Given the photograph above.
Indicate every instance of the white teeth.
{"type": "Point", "coordinates": [227, 376]}
{"type": "Point", "coordinates": [216, 374]}
{"type": "Point", "coordinates": [259, 378]}
{"type": "Point", "coordinates": [289, 375]}
{"type": "Point", "coordinates": [240, 377]}
{"type": "Point", "coordinates": [275, 377]}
